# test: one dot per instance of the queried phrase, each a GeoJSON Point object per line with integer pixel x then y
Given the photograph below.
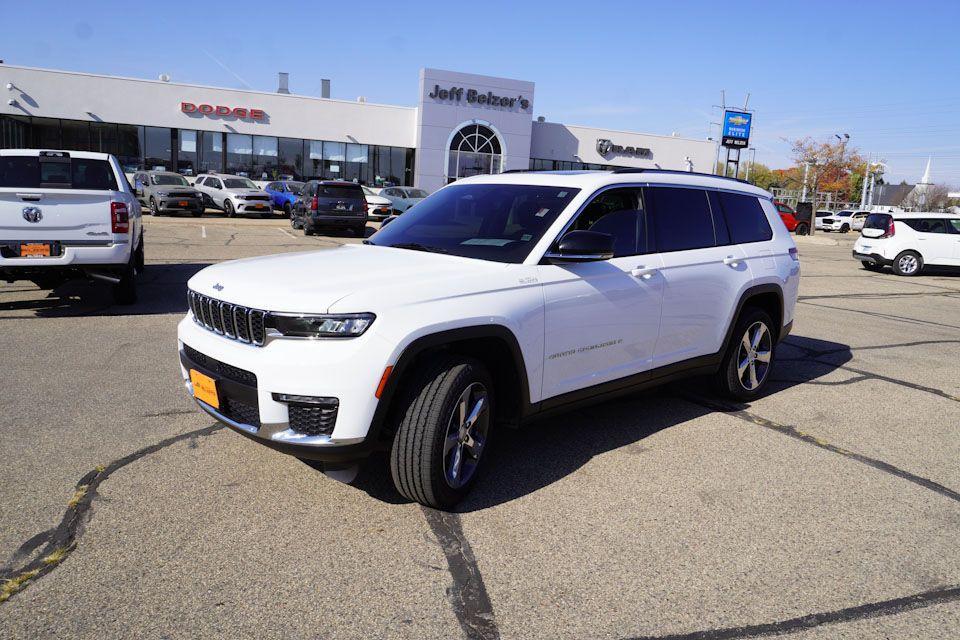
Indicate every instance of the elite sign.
{"type": "Point", "coordinates": [736, 129]}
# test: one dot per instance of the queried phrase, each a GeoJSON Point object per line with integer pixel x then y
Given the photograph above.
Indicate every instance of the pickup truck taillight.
{"type": "Point", "coordinates": [314, 204]}
{"type": "Point", "coordinates": [890, 229]}
{"type": "Point", "coordinates": [119, 217]}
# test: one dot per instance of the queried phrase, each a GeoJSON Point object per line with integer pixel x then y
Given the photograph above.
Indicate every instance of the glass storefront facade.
{"type": "Point", "coordinates": [192, 152]}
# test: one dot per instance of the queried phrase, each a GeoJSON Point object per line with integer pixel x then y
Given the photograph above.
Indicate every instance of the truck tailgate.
{"type": "Point", "coordinates": [64, 214]}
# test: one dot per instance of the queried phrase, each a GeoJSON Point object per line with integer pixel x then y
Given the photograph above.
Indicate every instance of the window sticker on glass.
{"type": "Point", "coordinates": [562, 194]}
{"type": "Point", "coordinates": [526, 237]}
{"type": "Point", "coordinates": [543, 212]}
{"type": "Point", "coordinates": [488, 242]}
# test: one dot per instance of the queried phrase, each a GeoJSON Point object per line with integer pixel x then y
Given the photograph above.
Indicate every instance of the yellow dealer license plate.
{"type": "Point", "coordinates": [204, 388]}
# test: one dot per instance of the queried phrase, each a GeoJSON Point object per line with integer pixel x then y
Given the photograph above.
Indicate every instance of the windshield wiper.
{"type": "Point", "coordinates": [416, 246]}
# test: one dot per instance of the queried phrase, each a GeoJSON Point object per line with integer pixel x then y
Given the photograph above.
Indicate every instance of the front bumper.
{"type": "Point", "coordinates": [248, 377]}
{"type": "Point", "coordinates": [254, 206]}
{"type": "Point", "coordinates": [172, 205]}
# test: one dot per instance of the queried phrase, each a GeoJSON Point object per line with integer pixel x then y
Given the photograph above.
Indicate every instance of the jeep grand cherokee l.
{"type": "Point", "coordinates": [509, 296]}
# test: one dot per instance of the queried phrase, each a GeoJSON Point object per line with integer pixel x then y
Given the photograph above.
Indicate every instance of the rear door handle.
{"type": "Point", "coordinates": [730, 261]}
{"type": "Point", "coordinates": [643, 272]}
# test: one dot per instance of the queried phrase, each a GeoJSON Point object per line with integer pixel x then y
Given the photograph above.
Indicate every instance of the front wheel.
{"type": "Point", "coordinates": [154, 209]}
{"type": "Point", "coordinates": [288, 210]}
{"type": "Point", "coordinates": [748, 362]}
{"type": "Point", "coordinates": [845, 228]}
{"type": "Point", "coordinates": [908, 263]}
{"type": "Point", "coordinates": [228, 208]}
{"type": "Point", "coordinates": [443, 431]}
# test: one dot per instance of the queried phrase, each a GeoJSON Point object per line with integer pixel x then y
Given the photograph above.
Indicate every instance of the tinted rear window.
{"type": "Point", "coordinates": [745, 218]}
{"type": "Point", "coordinates": [877, 221]}
{"type": "Point", "coordinates": [337, 191]}
{"type": "Point", "coordinates": [25, 172]}
{"type": "Point", "coordinates": [681, 218]}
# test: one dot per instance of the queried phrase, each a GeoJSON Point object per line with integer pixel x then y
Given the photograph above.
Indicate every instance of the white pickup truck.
{"type": "Point", "coordinates": [68, 214]}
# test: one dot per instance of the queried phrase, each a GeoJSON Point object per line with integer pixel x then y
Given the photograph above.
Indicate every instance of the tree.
{"type": "Point", "coordinates": [830, 165]}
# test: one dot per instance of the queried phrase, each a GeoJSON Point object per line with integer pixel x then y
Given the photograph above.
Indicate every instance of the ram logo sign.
{"type": "Point", "coordinates": [607, 147]}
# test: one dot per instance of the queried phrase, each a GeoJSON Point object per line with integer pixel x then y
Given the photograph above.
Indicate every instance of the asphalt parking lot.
{"type": "Point", "coordinates": [828, 509]}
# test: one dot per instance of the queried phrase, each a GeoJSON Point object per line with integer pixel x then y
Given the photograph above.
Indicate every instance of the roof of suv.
{"type": "Point", "coordinates": [88, 155]}
{"type": "Point", "coordinates": [918, 214]}
{"type": "Point", "coordinates": [591, 180]}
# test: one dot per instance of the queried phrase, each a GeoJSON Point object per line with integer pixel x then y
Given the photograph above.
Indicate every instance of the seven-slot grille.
{"type": "Point", "coordinates": [230, 320]}
{"type": "Point", "coordinates": [262, 198]}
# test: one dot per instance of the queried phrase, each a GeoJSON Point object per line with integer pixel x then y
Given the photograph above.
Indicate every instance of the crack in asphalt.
{"type": "Point", "coordinates": [886, 316]}
{"type": "Point", "coordinates": [849, 614]}
{"type": "Point", "coordinates": [59, 542]}
{"type": "Point", "coordinates": [468, 595]}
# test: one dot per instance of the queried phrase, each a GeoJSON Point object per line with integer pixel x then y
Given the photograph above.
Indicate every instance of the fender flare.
{"type": "Point", "coordinates": [439, 339]}
{"type": "Point", "coordinates": [748, 293]}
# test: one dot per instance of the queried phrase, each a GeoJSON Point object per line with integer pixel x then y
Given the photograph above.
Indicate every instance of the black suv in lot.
{"type": "Point", "coordinates": [330, 203]}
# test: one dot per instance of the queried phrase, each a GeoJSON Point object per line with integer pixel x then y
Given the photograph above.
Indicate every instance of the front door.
{"type": "Point", "coordinates": [602, 318]}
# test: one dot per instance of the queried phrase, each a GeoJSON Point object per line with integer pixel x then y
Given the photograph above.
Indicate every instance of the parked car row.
{"type": "Point", "coordinates": [791, 220]}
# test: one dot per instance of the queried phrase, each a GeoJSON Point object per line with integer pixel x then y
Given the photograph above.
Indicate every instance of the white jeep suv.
{"type": "Point", "coordinates": [908, 241]}
{"type": "Point", "coordinates": [510, 296]}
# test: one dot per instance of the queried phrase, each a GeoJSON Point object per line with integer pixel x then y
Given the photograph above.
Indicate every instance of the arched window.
{"type": "Point", "coordinates": [474, 149]}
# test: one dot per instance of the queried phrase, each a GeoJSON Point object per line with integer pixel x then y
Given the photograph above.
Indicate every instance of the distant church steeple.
{"type": "Point", "coordinates": [925, 180]}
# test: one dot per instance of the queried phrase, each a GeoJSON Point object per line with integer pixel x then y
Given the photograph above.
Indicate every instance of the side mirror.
{"type": "Point", "coordinates": [582, 246]}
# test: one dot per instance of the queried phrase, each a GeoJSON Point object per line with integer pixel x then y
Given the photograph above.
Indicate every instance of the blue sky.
{"type": "Point", "coordinates": [884, 72]}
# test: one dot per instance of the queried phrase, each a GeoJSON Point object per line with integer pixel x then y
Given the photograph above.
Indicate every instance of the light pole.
{"type": "Point", "coordinates": [753, 158]}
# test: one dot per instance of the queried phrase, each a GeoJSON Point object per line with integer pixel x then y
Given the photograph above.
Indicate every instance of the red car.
{"type": "Point", "coordinates": [789, 217]}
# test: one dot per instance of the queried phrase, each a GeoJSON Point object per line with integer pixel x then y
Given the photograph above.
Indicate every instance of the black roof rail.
{"type": "Point", "coordinates": [678, 171]}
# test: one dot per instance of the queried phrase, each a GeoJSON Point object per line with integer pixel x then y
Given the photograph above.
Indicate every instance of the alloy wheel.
{"type": "Point", "coordinates": [753, 356]}
{"type": "Point", "coordinates": [466, 435]}
{"type": "Point", "coordinates": [908, 264]}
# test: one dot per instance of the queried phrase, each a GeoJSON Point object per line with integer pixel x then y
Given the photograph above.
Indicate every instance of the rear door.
{"type": "Point", "coordinates": [703, 273]}
{"type": "Point", "coordinates": [55, 197]}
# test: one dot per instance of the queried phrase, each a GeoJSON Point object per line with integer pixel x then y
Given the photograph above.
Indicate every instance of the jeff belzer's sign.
{"type": "Point", "coordinates": [472, 96]}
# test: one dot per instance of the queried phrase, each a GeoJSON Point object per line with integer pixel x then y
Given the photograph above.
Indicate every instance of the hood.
{"type": "Point", "coordinates": [377, 200]}
{"type": "Point", "coordinates": [312, 282]}
{"type": "Point", "coordinates": [247, 192]}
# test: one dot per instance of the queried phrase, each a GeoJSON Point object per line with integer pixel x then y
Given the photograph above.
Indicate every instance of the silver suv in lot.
{"type": "Point", "coordinates": [234, 194]}
{"type": "Point", "coordinates": [167, 192]}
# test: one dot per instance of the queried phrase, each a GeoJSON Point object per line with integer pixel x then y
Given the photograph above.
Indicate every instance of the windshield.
{"type": "Point", "coordinates": [294, 187]}
{"type": "Point", "coordinates": [416, 193]}
{"type": "Point", "coordinates": [238, 183]}
{"type": "Point", "coordinates": [163, 178]}
{"type": "Point", "coordinates": [498, 222]}
{"type": "Point", "coordinates": [845, 214]}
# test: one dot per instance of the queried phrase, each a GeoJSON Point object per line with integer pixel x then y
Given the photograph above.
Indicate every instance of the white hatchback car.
{"type": "Point", "coordinates": [908, 241]}
{"type": "Point", "coordinates": [509, 296]}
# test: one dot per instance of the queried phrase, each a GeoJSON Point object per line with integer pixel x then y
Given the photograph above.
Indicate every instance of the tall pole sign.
{"type": "Point", "coordinates": [735, 135]}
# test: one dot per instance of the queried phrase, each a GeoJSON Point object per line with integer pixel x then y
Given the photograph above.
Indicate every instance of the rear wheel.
{"type": "Point", "coordinates": [125, 291]}
{"type": "Point", "coordinates": [845, 228]}
{"type": "Point", "coordinates": [139, 259]}
{"type": "Point", "coordinates": [308, 229]}
{"type": "Point", "coordinates": [443, 431]}
{"type": "Point", "coordinates": [360, 230]}
{"type": "Point", "coordinates": [908, 263]}
{"type": "Point", "coordinates": [749, 360]}
{"type": "Point", "coordinates": [802, 229]}
{"type": "Point", "coordinates": [228, 209]}
{"type": "Point", "coordinates": [288, 210]}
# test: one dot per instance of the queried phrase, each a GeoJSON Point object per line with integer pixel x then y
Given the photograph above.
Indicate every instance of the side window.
{"type": "Point", "coordinates": [619, 213]}
{"type": "Point", "coordinates": [937, 225]}
{"type": "Point", "coordinates": [214, 182]}
{"type": "Point", "coordinates": [955, 223]}
{"type": "Point", "coordinates": [681, 218]}
{"type": "Point", "coordinates": [198, 182]}
{"type": "Point", "coordinates": [745, 218]}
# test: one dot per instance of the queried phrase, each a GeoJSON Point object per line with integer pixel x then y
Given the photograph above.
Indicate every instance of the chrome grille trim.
{"type": "Point", "coordinates": [228, 320]}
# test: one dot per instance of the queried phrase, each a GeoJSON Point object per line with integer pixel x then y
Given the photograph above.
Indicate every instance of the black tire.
{"type": "Point", "coordinates": [288, 210]}
{"type": "Point", "coordinates": [139, 258]}
{"type": "Point", "coordinates": [429, 412]}
{"type": "Point", "coordinates": [308, 229]}
{"type": "Point", "coordinates": [845, 228]}
{"type": "Point", "coordinates": [228, 208]}
{"type": "Point", "coordinates": [735, 382]}
{"type": "Point", "coordinates": [154, 209]}
{"type": "Point", "coordinates": [908, 263]}
{"type": "Point", "coordinates": [802, 229]}
{"type": "Point", "coordinates": [871, 266]}
{"type": "Point", "coordinates": [125, 291]}
{"type": "Point", "coordinates": [198, 213]}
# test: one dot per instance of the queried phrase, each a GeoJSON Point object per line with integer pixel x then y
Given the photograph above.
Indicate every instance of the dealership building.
{"type": "Point", "coordinates": [462, 125]}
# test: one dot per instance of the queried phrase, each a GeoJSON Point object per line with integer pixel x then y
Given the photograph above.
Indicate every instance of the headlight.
{"type": "Point", "coordinates": [349, 325]}
{"type": "Point", "coordinates": [162, 194]}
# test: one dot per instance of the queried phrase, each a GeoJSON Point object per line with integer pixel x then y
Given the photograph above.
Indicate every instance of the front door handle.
{"type": "Point", "coordinates": [730, 261]}
{"type": "Point", "coordinates": [643, 272]}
